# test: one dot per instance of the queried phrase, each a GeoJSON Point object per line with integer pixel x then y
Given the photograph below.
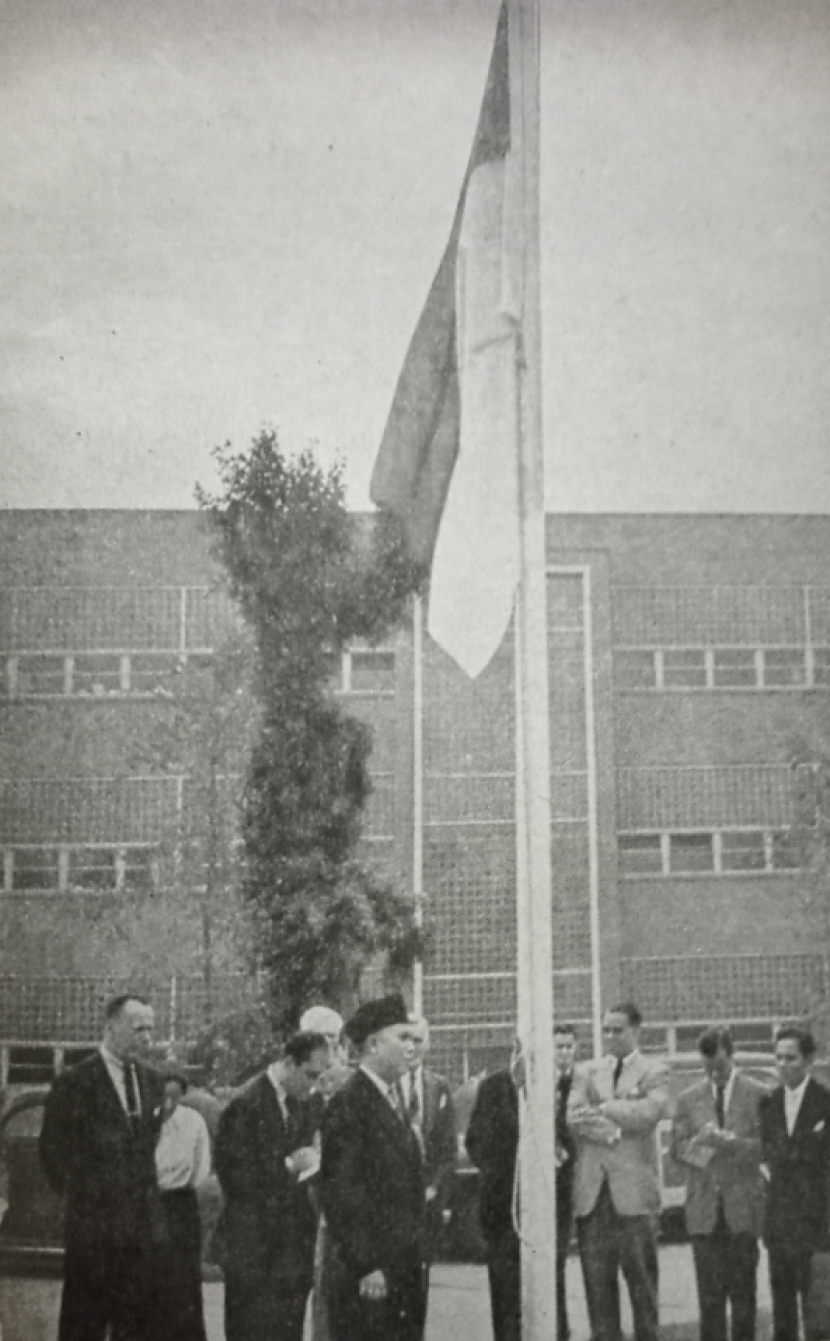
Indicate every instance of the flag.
{"type": "Point", "coordinates": [448, 460]}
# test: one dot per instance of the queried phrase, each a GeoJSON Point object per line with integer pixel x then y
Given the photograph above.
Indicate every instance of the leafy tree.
{"type": "Point", "coordinates": [309, 579]}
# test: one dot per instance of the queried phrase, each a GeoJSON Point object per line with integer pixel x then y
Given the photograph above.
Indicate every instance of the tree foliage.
{"type": "Point", "coordinates": [310, 580]}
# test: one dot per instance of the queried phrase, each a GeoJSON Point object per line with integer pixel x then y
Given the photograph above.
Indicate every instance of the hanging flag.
{"type": "Point", "coordinates": [448, 461]}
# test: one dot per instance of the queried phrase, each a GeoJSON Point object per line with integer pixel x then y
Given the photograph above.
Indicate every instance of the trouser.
{"type": "Point", "coordinates": [106, 1294]}
{"type": "Point", "coordinates": [610, 1243]}
{"type": "Point", "coordinates": [504, 1269]}
{"type": "Point", "coordinates": [789, 1278]}
{"type": "Point", "coordinates": [258, 1313]}
{"type": "Point", "coordinates": [398, 1317]}
{"type": "Point", "coordinates": [725, 1268]}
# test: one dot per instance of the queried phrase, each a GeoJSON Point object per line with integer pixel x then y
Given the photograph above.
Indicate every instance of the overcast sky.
{"type": "Point", "coordinates": [219, 214]}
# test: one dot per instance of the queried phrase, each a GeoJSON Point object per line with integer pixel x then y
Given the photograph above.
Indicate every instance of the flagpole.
{"type": "Point", "coordinates": [537, 1172]}
{"type": "Point", "coordinates": [418, 792]}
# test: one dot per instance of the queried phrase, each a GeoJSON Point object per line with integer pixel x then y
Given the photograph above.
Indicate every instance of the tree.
{"type": "Point", "coordinates": [310, 580]}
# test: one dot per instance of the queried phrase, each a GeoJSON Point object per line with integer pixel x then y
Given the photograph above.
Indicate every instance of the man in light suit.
{"type": "Point", "coordinates": [716, 1135]}
{"type": "Point", "coordinates": [267, 1230]}
{"type": "Point", "coordinates": [613, 1111]}
{"type": "Point", "coordinates": [429, 1106]}
{"type": "Point", "coordinates": [795, 1151]}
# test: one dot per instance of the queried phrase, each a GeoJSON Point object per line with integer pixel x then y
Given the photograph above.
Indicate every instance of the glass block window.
{"type": "Point", "coordinates": [40, 674]}
{"type": "Point", "coordinates": [784, 667]}
{"type": "Point", "coordinates": [94, 868]}
{"type": "Point", "coordinates": [34, 868]}
{"type": "Point", "coordinates": [96, 673]}
{"type": "Point", "coordinates": [690, 853]}
{"type": "Point", "coordinates": [684, 668]}
{"type": "Point", "coordinates": [634, 670]}
{"type": "Point", "coordinates": [373, 672]}
{"type": "Point", "coordinates": [640, 854]}
{"type": "Point", "coordinates": [742, 850]}
{"type": "Point", "coordinates": [734, 668]}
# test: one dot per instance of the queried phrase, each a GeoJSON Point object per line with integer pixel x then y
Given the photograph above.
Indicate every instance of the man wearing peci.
{"type": "Point", "coordinates": [795, 1155]}
{"type": "Point", "coordinates": [716, 1137]}
{"type": "Point", "coordinates": [613, 1112]}
{"type": "Point", "coordinates": [264, 1155]}
{"type": "Point", "coordinates": [100, 1124]}
{"type": "Point", "coordinates": [372, 1187]}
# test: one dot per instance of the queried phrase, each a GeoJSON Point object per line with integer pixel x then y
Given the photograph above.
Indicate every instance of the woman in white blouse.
{"type": "Point", "coordinates": [182, 1165]}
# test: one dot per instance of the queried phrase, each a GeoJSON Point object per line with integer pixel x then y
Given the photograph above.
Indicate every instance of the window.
{"type": "Point", "coordinates": [634, 670]}
{"type": "Point", "coordinates": [821, 666]}
{"type": "Point", "coordinates": [684, 668]}
{"type": "Point", "coordinates": [373, 672]}
{"type": "Point", "coordinates": [639, 854]}
{"type": "Point", "coordinates": [153, 672]}
{"type": "Point", "coordinates": [41, 674]}
{"type": "Point", "coordinates": [93, 868]}
{"type": "Point", "coordinates": [734, 668]}
{"type": "Point", "coordinates": [742, 850]}
{"type": "Point", "coordinates": [783, 854]}
{"type": "Point", "coordinates": [690, 853]}
{"type": "Point", "coordinates": [34, 868]}
{"type": "Point", "coordinates": [96, 673]}
{"type": "Point", "coordinates": [138, 868]}
{"type": "Point", "coordinates": [784, 667]}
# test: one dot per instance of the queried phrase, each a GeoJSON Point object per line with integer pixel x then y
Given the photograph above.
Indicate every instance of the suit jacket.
{"type": "Point", "coordinates": [732, 1177]}
{"type": "Point", "coordinates": [492, 1143]}
{"type": "Point", "coordinates": [797, 1201]}
{"type": "Point", "coordinates": [371, 1185]}
{"type": "Point", "coordinates": [622, 1145]}
{"type": "Point", "coordinates": [99, 1160]}
{"type": "Point", "coordinates": [438, 1134]}
{"type": "Point", "coordinates": [267, 1227]}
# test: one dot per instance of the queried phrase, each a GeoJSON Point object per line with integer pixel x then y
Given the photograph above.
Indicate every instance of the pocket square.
{"type": "Point", "coordinates": [819, 1126]}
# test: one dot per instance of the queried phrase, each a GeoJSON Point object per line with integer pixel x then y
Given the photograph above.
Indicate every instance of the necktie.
{"type": "Point", "coordinates": [414, 1105]}
{"type": "Point", "coordinates": [720, 1104]}
{"type": "Point", "coordinates": [131, 1092]}
{"type": "Point", "coordinates": [618, 1072]}
{"type": "Point", "coordinates": [397, 1101]}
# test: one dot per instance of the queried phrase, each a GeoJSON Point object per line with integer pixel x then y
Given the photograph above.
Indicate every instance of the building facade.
{"type": "Point", "coordinates": [689, 660]}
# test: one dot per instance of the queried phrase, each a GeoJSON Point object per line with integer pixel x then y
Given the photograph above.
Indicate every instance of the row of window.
{"type": "Point", "coordinates": [97, 868]}
{"type": "Point", "coordinates": [108, 674]}
{"type": "Point", "coordinates": [722, 668]}
{"type": "Point", "coordinates": [722, 852]}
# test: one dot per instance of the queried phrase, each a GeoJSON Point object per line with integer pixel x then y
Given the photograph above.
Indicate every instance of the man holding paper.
{"type": "Point", "coordinates": [716, 1135]}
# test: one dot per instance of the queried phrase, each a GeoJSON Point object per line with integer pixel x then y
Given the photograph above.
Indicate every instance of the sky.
{"type": "Point", "coordinates": [220, 215]}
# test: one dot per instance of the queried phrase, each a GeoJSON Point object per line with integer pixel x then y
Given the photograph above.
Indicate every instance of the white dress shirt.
{"type": "Point", "coordinates": [388, 1091]}
{"type": "Point", "coordinates": [792, 1104]}
{"type": "Point", "coordinates": [183, 1150]}
{"type": "Point", "coordinates": [727, 1090]}
{"type": "Point", "coordinates": [115, 1067]}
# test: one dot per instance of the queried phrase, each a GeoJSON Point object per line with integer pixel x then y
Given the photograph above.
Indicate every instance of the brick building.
{"type": "Point", "coordinates": [688, 654]}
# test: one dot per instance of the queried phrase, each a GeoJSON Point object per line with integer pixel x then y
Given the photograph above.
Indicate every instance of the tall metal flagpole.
{"type": "Point", "coordinates": [537, 1175]}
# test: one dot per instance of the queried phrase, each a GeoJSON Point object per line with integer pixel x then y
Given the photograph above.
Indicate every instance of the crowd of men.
{"type": "Point", "coordinates": [336, 1162]}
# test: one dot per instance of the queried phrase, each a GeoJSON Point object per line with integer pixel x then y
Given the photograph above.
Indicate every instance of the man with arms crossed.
{"type": "Point", "coordinates": [100, 1124]}
{"type": "Point", "coordinates": [795, 1154]}
{"type": "Point", "coordinates": [613, 1112]}
{"type": "Point", "coordinates": [716, 1136]}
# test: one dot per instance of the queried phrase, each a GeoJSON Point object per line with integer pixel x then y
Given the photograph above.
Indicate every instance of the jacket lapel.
{"type": "Point", "coordinates": [806, 1114]}
{"type": "Point", "coordinates": [105, 1085]}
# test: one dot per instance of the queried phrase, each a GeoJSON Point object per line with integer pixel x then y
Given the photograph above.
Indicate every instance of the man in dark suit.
{"type": "Point", "coordinates": [372, 1187]}
{"type": "Point", "coordinates": [565, 1049]}
{"type": "Point", "coordinates": [263, 1157]}
{"type": "Point", "coordinates": [716, 1136]}
{"type": "Point", "coordinates": [100, 1126]}
{"type": "Point", "coordinates": [492, 1144]}
{"type": "Point", "coordinates": [429, 1106]}
{"type": "Point", "coordinates": [795, 1154]}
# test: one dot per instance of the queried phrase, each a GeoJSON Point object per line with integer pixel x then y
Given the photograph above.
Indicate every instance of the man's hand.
{"type": "Point", "coordinates": [718, 1137]}
{"type": "Point", "coordinates": [373, 1286]}
{"type": "Point", "coordinates": [306, 1159]}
